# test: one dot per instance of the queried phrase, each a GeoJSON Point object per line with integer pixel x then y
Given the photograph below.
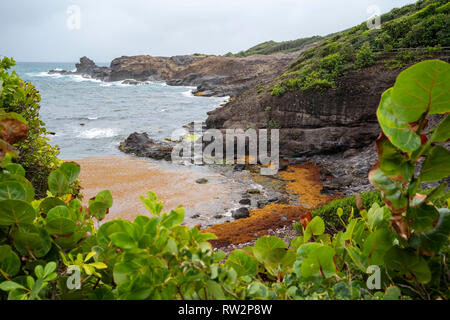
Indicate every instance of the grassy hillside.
{"type": "Point", "coordinates": [271, 47]}
{"type": "Point", "coordinates": [424, 25]}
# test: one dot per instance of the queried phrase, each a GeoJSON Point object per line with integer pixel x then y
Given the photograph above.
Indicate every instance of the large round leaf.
{"type": "Point", "coordinates": [269, 249]}
{"type": "Point", "coordinates": [12, 190]}
{"type": "Point", "coordinates": [49, 203]}
{"type": "Point", "coordinates": [398, 132]}
{"type": "Point", "coordinates": [423, 88]}
{"type": "Point", "coordinates": [9, 262]}
{"type": "Point", "coordinates": [242, 263]}
{"type": "Point", "coordinates": [16, 212]}
{"type": "Point", "coordinates": [58, 183]}
{"type": "Point", "coordinates": [437, 165]}
{"type": "Point", "coordinates": [315, 259]}
{"type": "Point", "coordinates": [60, 226]}
{"type": "Point", "coordinates": [407, 263]}
{"type": "Point", "coordinates": [71, 170]}
{"type": "Point", "coordinates": [27, 238]}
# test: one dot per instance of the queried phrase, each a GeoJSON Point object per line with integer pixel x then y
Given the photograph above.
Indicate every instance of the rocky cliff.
{"type": "Point", "coordinates": [212, 75]}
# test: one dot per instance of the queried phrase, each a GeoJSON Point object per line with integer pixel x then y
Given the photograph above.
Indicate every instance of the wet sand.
{"type": "Point", "coordinates": [127, 178]}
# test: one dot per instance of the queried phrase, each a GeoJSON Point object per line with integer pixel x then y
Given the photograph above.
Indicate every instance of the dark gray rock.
{"type": "Point", "coordinates": [245, 201]}
{"type": "Point", "coordinates": [241, 213]}
{"type": "Point", "coordinates": [201, 181]}
{"type": "Point", "coordinates": [141, 145]}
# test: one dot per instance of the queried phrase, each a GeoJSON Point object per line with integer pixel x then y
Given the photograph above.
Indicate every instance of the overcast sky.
{"type": "Point", "coordinates": [45, 30]}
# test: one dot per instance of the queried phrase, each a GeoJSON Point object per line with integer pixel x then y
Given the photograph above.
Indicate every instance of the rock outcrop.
{"type": "Point", "coordinates": [212, 75]}
{"type": "Point", "coordinates": [141, 145]}
{"type": "Point", "coordinates": [312, 122]}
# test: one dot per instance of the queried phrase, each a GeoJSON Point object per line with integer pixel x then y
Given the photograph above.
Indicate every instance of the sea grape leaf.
{"type": "Point", "coordinates": [58, 183]}
{"type": "Point", "coordinates": [71, 170]}
{"type": "Point", "coordinates": [398, 132]}
{"type": "Point", "coordinates": [422, 88]}
{"type": "Point", "coordinates": [315, 259]}
{"type": "Point", "coordinates": [242, 263]}
{"type": "Point", "coordinates": [12, 190]}
{"type": "Point", "coordinates": [437, 165]}
{"type": "Point", "coordinates": [9, 262]}
{"type": "Point", "coordinates": [422, 217]}
{"type": "Point", "coordinates": [376, 245]}
{"type": "Point", "coordinates": [15, 168]}
{"type": "Point", "coordinates": [49, 203]}
{"type": "Point", "coordinates": [394, 197]}
{"type": "Point", "coordinates": [433, 240]}
{"type": "Point", "coordinates": [16, 212]}
{"type": "Point", "coordinates": [442, 131]}
{"type": "Point", "coordinates": [407, 263]}
{"type": "Point", "coordinates": [393, 163]}
{"type": "Point", "coordinates": [269, 249]}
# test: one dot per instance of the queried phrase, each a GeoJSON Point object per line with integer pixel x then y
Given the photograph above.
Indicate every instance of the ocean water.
{"type": "Point", "coordinates": [90, 117]}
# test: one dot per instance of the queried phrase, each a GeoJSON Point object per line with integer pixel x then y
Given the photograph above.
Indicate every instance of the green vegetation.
{"type": "Point", "coordinates": [271, 47]}
{"type": "Point", "coordinates": [36, 155]}
{"type": "Point", "coordinates": [50, 248]}
{"type": "Point", "coordinates": [424, 25]}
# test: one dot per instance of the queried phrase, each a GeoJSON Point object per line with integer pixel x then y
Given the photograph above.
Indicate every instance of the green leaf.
{"type": "Point", "coordinates": [10, 285]}
{"type": "Point", "coordinates": [9, 261]}
{"type": "Point", "coordinates": [442, 131]}
{"type": "Point", "coordinates": [58, 183]}
{"type": "Point", "coordinates": [60, 226]}
{"type": "Point", "coordinates": [433, 240]}
{"type": "Point", "coordinates": [49, 203]}
{"type": "Point", "coordinates": [315, 260]}
{"type": "Point", "coordinates": [437, 165]}
{"type": "Point", "coordinates": [16, 212]}
{"type": "Point", "coordinates": [215, 290]}
{"type": "Point", "coordinates": [122, 240]}
{"type": "Point", "coordinates": [71, 170]}
{"type": "Point", "coordinates": [315, 227]}
{"type": "Point", "coordinates": [392, 293]}
{"type": "Point", "coordinates": [422, 217]}
{"type": "Point", "coordinates": [375, 216]}
{"type": "Point", "coordinates": [392, 162]}
{"type": "Point", "coordinates": [12, 190]}
{"type": "Point", "coordinates": [174, 218]}
{"type": "Point", "coordinates": [398, 132]}
{"type": "Point", "coordinates": [422, 88]}
{"type": "Point", "coordinates": [242, 263]}
{"type": "Point", "coordinates": [15, 168]}
{"type": "Point", "coordinates": [393, 191]}
{"type": "Point", "coordinates": [376, 245]}
{"type": "Point", "coordinates": [27, 238]}
{"type": "Point", "coordinates": [407, 263]}
{"type": "Point", "coordinates": [269, 249]}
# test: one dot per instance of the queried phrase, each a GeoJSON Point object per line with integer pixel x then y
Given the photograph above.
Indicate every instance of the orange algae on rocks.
{"type": "Point", "coordinates": [303, 180]}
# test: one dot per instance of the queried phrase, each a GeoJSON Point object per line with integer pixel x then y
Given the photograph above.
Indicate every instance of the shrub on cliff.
{"type": "Point", "coordinates": [421, 25]}
{"type": "Point", "coordinates": [36, 155]}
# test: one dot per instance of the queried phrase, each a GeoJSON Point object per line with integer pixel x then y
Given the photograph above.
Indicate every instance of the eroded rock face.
{"type": "Point", "coordinates": [312, 122]}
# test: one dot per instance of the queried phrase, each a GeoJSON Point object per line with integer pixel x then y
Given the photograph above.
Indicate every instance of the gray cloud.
{"type": "Point", "coordinates": [37, 31]}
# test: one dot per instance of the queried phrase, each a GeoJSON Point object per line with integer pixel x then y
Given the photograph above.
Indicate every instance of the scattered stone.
{"type": "Point", "coordinates": [201, 181]}
{"type": "Point", "coordinates": [245, 201]}
{"type": "Point", "coordinates": [195, 216]}
{"type": "Point", "coordinates": [273, 199]}
{"type": "Point", "coordinates": [253, 191]}
{"type": "Point", "coordinates": [262, 203]}
{"type": "Point", "coordinates": [282, 166]}
{"type": "Point", "coordinates": [241, 213]}
{"type": "Point", "coordinates": [283, 217]}
{"type": "Point", "coordinates": [218, 216]}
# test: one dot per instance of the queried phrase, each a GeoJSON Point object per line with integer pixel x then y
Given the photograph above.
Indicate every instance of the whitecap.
{"type": "Point", "coordinates": [188, 94]}
{"type": "Point", "coordinates": [98, 133]}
